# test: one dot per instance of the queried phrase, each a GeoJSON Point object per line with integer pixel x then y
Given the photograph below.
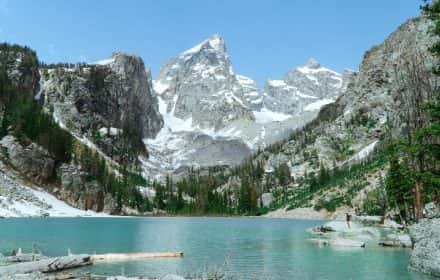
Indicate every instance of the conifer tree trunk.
{"type": "Point", "coordinates": [418, 200]}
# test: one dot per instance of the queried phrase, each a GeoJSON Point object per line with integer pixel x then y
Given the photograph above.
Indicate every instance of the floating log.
{"type": "Point", "coordinates": [135, 256]}
{"type": "Point", "coordinates": [47, 265]}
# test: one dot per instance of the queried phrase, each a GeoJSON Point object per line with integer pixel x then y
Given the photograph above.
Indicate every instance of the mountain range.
{"type": "Point", "coordinates": [198, 114]}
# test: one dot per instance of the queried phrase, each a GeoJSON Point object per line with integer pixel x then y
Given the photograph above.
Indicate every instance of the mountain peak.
{"type": "Point", "coordinates": [215, 42]}
{"type": "Point", "coordinates": [313, 64]}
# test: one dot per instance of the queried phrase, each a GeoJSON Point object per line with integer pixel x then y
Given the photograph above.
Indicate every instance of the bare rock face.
{"type": "Point", "coordinates": [81, 193]}
{"type": "Point", "coordinates": [32, 161]}
{"type": "Point", "coordinates": [109, 103]}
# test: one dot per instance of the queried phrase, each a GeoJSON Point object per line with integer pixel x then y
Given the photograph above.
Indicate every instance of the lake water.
{"type": "Point", "coordinates": [242, 248]}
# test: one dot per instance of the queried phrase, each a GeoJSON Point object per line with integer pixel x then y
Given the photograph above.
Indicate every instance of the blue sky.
{"type": "Point", "coordinates": [265, 38]}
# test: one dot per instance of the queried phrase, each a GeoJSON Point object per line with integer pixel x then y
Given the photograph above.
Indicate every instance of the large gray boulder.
{"type": "Point", "coordinates": [432, 210]}
{"type": "Point", "coordinates": [425, 256]}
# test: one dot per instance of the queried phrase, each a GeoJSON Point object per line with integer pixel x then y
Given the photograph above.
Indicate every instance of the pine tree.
{"type": "Point", "coordinates": [399, 187]}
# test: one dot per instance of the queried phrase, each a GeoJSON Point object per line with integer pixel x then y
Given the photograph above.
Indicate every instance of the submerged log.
{"type": "Point", "coordinates": [135, 256]}
{"type": "Point", "coordinates": [47, 265]}
{"type": "Point", "coordinates": [338, 242]}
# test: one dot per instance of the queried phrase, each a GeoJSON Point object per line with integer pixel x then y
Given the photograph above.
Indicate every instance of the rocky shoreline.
{"type": "Point", "coordinates": [363, 231]}
{"type": "Point", "coordinates": [423, 238]}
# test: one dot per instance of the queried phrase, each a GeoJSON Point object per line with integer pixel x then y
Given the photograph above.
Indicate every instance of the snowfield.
{"type": "Point", "coordinates": [315, 106]}
{"type": "Point", "coordinates": [19, 199]}
{"type": "Point", "coordinates": [367, 150]}
{"type": "Point", "coordinates": [56, 207]}
{"type": "Point", "coordinates": [266, 116]}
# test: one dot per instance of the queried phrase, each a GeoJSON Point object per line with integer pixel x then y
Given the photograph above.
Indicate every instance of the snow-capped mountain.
{"type": "Point", "coordinates": [199, 86]}
{"type": "Point", "coordinates": [200, 99]}
{"type": "Point", "coordinates": [213, 116]}
{"type": "Point", "coordinates": [305, 88]}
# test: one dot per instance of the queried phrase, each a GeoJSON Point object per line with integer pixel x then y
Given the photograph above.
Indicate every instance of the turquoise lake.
{"type": "Point", "coordinates": [243, 248]}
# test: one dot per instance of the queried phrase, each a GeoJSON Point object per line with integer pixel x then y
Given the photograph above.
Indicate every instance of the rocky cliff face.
{"type": "Point", "coordinates": [109, 103]}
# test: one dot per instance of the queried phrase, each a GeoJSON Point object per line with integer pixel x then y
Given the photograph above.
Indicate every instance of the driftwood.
{"type": "Point", "coordinates": [135, 256]}
{"type": "Point", "coordinates": [47, 265]}
{"type": "Point", "coordinates": [27, 263]}
{"type": "Point", "coordinates": [24, 258]}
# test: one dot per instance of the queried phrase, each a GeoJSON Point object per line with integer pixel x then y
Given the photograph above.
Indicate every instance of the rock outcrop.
{"type": "Point", "coordinates": [82, 193]}
{"type": "Point", "coordinates": [109, 103]}
{"type": "Point", "coordinates": [32, 160]}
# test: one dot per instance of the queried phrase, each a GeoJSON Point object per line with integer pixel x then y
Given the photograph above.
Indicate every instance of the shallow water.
{"type": "Point", "coordinates": [242, 248]}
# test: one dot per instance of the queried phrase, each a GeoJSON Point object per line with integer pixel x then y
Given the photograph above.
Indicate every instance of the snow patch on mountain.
{"type": "Point", "coordinates": [315, 106]}
{"type": "Point", "coordinates": [364, 152]}
{"type": "Point", "coordinates": [104, 61]}
{"type": "Point", "coordinates": [19, 199]}
{"type": "Point", "coordinates": [215, 42]}
{"type": "Point", "coordinates": [266, 116]}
